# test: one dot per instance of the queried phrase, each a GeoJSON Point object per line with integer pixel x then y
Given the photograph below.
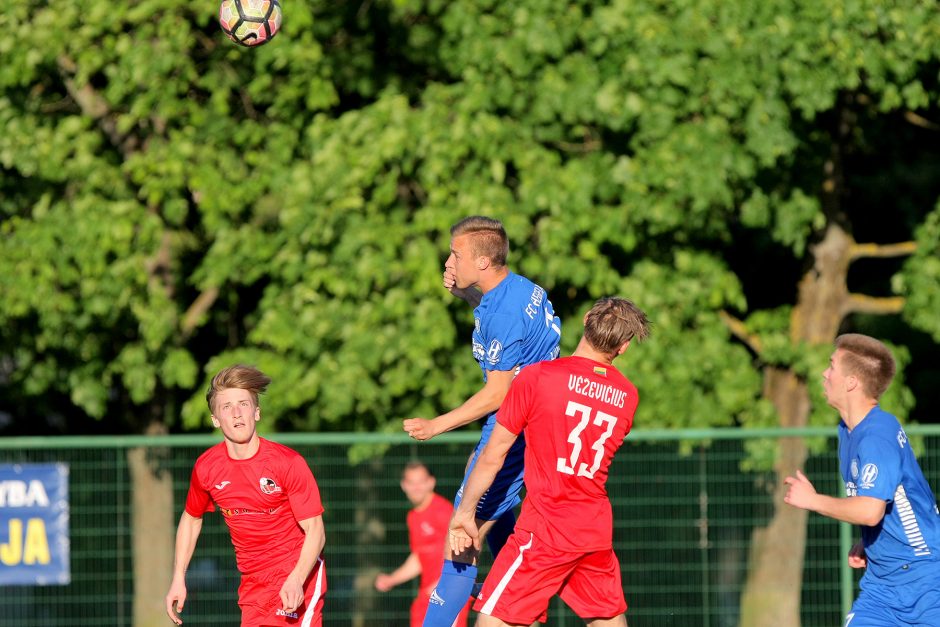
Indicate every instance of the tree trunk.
{"type": "Point", "coordinates": [771, 596]}
{"type": "Point", "coordinates": [152, 529]}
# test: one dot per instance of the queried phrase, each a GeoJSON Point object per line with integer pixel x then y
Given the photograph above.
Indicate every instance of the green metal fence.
{"type": "Point", "coordinates": [683, 515]}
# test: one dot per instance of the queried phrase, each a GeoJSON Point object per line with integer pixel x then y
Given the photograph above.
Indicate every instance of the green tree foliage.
{"type": "Point", "coordinates": [172, 202]}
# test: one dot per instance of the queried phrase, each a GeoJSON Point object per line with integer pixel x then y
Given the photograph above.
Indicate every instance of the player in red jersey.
{"type": "Point", "coordinates": [427, 531]}
{"type": "Point", "coordinates": [271, 504]}
{"type": "Point", "coordinates": [575, 412]}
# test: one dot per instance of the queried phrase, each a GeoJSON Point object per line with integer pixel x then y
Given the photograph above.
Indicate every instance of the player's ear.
{"type": "Point", "coordinates": [623, 348]}
{"type": "Point", "coordinates": [257, 414]}
{"type": "Point", "coordinates": [483, 263]}
{"type": "Point", "coordinates": [215, 421]}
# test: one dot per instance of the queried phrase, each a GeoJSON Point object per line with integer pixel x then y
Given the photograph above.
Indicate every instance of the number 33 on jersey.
{"type": "Point", "coordinates": [584, 411]}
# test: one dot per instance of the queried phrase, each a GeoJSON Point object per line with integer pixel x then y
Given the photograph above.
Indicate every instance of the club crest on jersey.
{"type": "Point", "coordinates": [494, 351]}
{"type": "Point", "coordinates": [854, 469]}
{"type": "Point", "coordinates": [269, 486]}
{"type": "Point", "coordinates": [869, 474]}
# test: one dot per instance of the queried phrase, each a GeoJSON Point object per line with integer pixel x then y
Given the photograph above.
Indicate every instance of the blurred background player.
{"type": "Point", "coordinates": [574, 413]}
{"type": "Point", "coordinates": [271, 504]}
{"type": "Point", "coordinates": [514, 326]}
{"type": "Point", "coordinates": [427, 531]}
{"type": "Point", "coordinates": [886, 493]}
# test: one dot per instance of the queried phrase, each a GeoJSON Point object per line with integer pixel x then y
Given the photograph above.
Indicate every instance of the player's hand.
{"type": "Point", "coordinates": [419, 428]}
{"type": "Point", "coordinates": [801, 492]}
{"type": "Point", "coordinates": [383, 582]}
{"type": "Point", "coordinates": [176, 594]}
{"type": "Point", "coordinates": [463, 533]}
{"type": "Point", "coordinates": [857, 558]}
{"type": "Point", "coordinates": [292, 595]}
{"type": "Point", "coordinates": [450, 280]}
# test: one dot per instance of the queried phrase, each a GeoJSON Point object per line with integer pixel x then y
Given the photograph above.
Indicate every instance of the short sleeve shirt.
{"type": "Point", "coordinates": [876, 460]}
{"type": "Point", "coordinates": [427, 532]}
{"type": "Point", "coordinates": [261, 499]}
{"type": "Point", "coordinates": [575, 413]}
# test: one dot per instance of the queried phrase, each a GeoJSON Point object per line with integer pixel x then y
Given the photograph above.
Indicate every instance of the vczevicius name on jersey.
{"type": "Point", "coordinates": [603, 392]}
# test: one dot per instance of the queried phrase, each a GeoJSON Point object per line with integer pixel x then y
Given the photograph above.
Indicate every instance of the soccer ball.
{"type": "Point", "coordinates": [250, 22]}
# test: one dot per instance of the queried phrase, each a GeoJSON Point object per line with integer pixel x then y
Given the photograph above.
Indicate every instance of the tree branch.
{"type": "Point", "coordinates": [860, 303]}
{"type": "Point", "coordinates": [899, 249]}
{"type": "Point", "coordinates": [739, 330]}
{"type": "Point", "coordinates": [94, 106]}
{"type": "Point", "coordinates": [197, 310]}
{"type": "Point", "coordinates": [922, 122]}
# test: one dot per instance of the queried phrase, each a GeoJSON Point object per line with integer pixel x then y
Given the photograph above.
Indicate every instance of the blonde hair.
{"type": "Point", "coordinates": [612, 321]}
{"type": "Point", "coordinates": [869, 360]}
{"type": "Point", "coordinates": [488, 238]}
{"type": "Point", "coordinates": [240, 377]}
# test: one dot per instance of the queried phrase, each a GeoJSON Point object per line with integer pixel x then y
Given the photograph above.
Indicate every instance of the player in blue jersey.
{"type": "Point", "coordinates": [887, 494]}
{"type": "Point", "coordinates": [514, 326]}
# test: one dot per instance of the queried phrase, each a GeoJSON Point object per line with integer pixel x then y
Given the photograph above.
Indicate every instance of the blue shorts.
{"type": "Point", "coordinates": [880, 605]}
{"type": "Point", "coordinates": [503, 494]}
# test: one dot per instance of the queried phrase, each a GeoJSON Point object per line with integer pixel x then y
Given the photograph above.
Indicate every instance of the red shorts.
{"type": "Point", "coordinates": [527, 574]}
{"type": "Point", "coordinates": [259, 596]}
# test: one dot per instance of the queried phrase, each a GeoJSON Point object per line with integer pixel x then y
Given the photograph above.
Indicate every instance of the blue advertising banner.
{"type": "Point", "coordinates": [34, 524]}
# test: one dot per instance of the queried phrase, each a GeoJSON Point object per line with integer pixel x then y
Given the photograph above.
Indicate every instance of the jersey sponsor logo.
{"type": "Point", "coordinates": [436, 598]}
{"type": "Point", "coordinates": [269, 486]}
{"type": "Point", "coordinates": [221, 486]}
{"type": "Point", "coordinates": [494, 351]}
{"type": "Point", "coordinates": [850, 489]}
{"type": "Point", "coordinates": [869, 474]}
{"type": "Point", "coordinates": [281, 612]}
{"type": "Point", "coordinates": [478, 351]}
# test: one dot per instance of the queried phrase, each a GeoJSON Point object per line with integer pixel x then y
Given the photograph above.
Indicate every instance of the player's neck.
{"type": "Point", "coordinates": [243, 450]}
{"type": "Point", "coordinates": [426, 503]}
{"type": "Point", "coordinates": [856, 410]}
{"type": "Point", "coordinates": [587, 351]}
{"type": "Point", "coordinates": [491, 278]}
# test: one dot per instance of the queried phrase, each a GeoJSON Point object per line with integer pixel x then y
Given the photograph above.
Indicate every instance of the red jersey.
{"type": "Point", "coordinates": [261, 499]}
{"type": "Point", "coordinates": [575, 413]}
{"type": "Point", "coordinates": [427, 532]}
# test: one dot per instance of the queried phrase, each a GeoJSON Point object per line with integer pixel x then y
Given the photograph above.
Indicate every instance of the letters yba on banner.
{"type": "Point", "coordinates": [34, 524]}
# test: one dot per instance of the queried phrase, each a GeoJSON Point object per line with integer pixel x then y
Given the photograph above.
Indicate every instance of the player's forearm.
{"type": "Point", "coordinates": [409, 569]}
{"type": "Point", "coordinates": [480, 480]}
{"type": "Point", "coordinates": [855, 510]}
{"type": "Point", "coordinates": [472, 295]}
{"type": "Point", "coordinates": [314, 541]}
{"type": "Point", "coordinates": [187, 533]}
{"type": "Point", "coordinates": [483, 403]}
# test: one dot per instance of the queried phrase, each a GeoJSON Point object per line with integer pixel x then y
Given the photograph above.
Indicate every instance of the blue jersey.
{"type": "Point", "coordinates": [514, 326]}
{"type": "Point", "coordinates": [876, 460]}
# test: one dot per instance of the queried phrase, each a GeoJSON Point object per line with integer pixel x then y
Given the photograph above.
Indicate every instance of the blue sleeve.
{"type": "Point", "coordinates": [504, 336]}
{"type": "Point", "coordinates": [879, 468]}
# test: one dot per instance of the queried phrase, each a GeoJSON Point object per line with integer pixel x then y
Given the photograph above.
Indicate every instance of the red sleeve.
{"type": "Point", "coordinates": [198, 501]}
{"type": "Point", "coordinates": [302, 490]}
{"type": "Point", "coordinates": [514, 410]}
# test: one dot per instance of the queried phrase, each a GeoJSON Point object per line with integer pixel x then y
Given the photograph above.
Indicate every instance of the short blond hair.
{"type": "Point", "coordinates": [240, 377]}
{"type": "Point", "coordinates": [869, 360]}
{"type": "Point", "coordinates": [488, 238]}
{"type": "Point", "coordinates": [612, 321]}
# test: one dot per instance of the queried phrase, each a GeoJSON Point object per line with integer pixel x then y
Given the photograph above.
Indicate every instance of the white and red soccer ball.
{"type": "Point", "coordinates": [250, 22]}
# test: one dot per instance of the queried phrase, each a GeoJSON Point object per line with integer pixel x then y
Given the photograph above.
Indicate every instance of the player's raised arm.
{"type": "Point", "coordinates": [481, 404]}
{"type": "Point", "coordinates": [187, 533]}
